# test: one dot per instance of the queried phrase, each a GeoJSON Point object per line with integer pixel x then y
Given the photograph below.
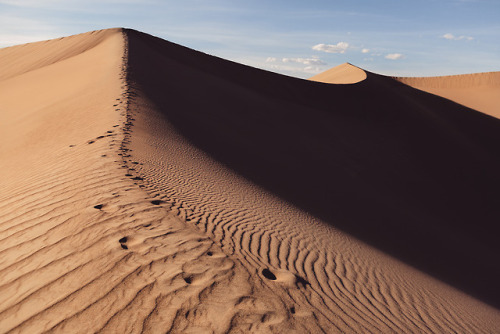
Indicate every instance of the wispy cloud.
{"type": "Point", "coordinates": [303, 67]}
{"type": "Point", "coordinates": [394, 56]}
{"type": "Point", "coordinates": [452, 37]}
{"type": "Point", "coordinates": [365, 50]}
{"type": "Point", "coordinates": [294, 71]}
{"type": "Point", "coordinates": [304, 61]}
{"type": "Point", "coordinates": [312, 70]}
{"type": "Point", "coordinates": [340, 47]}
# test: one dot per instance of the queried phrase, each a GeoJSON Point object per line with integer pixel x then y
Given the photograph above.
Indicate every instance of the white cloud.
{"type": "Point", "coordinates": [305, 61]}
{"type": "Point", "coordinates": [312, 69]}
{"type": "Point", "coordinates": [340, 47]}
{"type": "Point", "coordinates": [448, 36]}
{"type": "Point", "coordinates": [394, 56]}
{"type": "Point", "coordinates": [365, 50]}
{"type": "Point", "coordinates": [452, 37]}
{"type": "Point", "coordinates": [294, 70]}
{"type": "Point", "coordinates": [302, 67]}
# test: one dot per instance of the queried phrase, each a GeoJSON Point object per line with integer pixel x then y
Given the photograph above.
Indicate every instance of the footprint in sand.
{"type": "Point", "coordinates": [268, 274]}
{"type": "Point", "coordinates": [123, 242]}
{"type": "Point", "coordinates": [285, 277]}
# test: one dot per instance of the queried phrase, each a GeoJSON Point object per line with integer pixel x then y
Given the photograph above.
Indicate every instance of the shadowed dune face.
{"type": "Point", "coordinates": [478, 91]}
{"type": "Point", "coordinates": [147, 187]}
{"type": "Point", "coordinates": [410, 173]}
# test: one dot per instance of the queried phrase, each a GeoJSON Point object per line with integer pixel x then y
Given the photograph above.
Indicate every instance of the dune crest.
{"type": "Point", "coordinates": [478, 91]}
{"type": "Point", "coordinates": [20, 59]}
{"type": "Point", "coordinates": [148, 187]}
{"type": "Point", "coordinates": [342, 74]}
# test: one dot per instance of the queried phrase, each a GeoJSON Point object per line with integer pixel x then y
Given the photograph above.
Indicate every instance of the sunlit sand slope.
{"type": "Point", "coordinates": [342, 74]}
{"type": "Point", "coordinates": [83, 248]}
{"type": "Point", "coordinates": [479, 91]}
{"type": "Point", "coordinates": [147, 187]}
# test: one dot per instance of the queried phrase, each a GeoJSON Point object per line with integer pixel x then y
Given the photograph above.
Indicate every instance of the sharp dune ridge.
{"type": "Point", "coordinates": [148, 187]}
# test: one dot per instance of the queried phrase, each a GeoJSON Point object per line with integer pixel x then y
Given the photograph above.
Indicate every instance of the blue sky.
{"type": "Point", "coordinates": [297, 38]}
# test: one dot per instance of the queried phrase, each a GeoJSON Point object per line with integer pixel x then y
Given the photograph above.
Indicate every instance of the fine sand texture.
{"type": "Point", "coordinates": [148, 187]}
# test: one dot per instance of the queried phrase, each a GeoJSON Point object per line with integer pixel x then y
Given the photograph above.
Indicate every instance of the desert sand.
{"type": "Point", "coordinates": [342, 74]}
{"type": "Point", "coordinates": [148, 187]}
{"type": "Point", "coordinates": [478, 91]}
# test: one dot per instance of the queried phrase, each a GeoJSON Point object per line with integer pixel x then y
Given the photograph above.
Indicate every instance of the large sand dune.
{"type": "Point", "coordinates": [149, 187]}
{"type": "Point", "coordinates": [479, 91]}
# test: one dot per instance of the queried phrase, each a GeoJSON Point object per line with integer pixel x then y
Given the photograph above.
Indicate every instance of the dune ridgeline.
{"type": "Point", "coordinates": [148, 187]}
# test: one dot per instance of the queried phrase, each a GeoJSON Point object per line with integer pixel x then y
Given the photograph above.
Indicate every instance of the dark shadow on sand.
{"type": "Point", "coordinates": [410, 173]}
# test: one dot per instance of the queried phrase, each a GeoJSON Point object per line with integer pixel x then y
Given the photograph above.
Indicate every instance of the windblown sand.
{"type": "Point", "coordinates": [148, 187]}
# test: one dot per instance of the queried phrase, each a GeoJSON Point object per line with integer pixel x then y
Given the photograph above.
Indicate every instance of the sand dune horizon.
{"type": "Point", "coordinates": [477, 91]}
{"type": "Point", "coordinates": [150, 187]}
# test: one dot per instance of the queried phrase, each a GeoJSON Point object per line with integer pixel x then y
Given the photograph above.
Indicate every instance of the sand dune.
{"type": "Point", "coordinates": [148, 187]}
{"type": "Point", "coordinates": [342, 74]}
{"type": "Point", "coordinates": [478, 91]}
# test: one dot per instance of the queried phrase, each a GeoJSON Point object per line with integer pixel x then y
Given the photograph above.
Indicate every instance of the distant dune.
{"type": "Point", "coordinates": [342, 74]}
{"type": "Point", "coordinates": [148, 187]}
{"type": "Point", "coordinates": [479, 91]}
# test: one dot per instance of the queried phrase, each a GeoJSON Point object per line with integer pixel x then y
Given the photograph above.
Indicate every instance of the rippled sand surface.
{"type": "Point", "coordinates": [148, 187]}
